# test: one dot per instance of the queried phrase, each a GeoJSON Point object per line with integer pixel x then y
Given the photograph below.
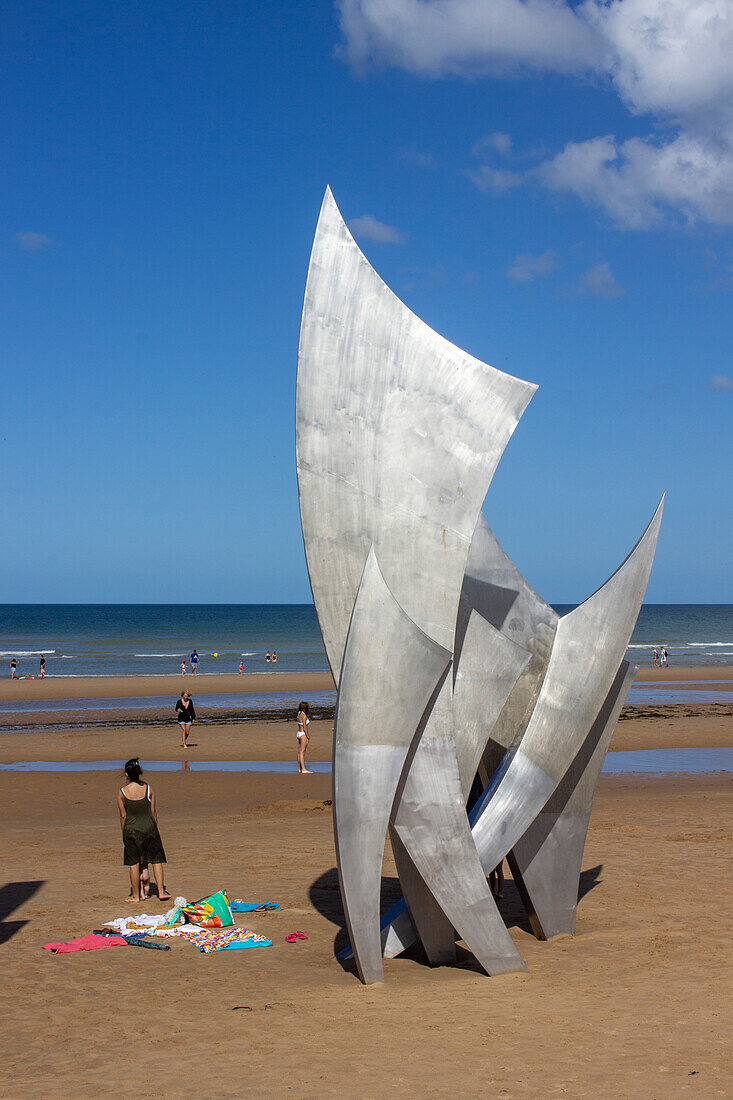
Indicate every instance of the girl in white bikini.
{"type": "Point", "coordinates": [303, 737]}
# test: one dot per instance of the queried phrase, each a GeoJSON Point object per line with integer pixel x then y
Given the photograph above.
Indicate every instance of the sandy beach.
{"type": "Point", "coordinates": [128, 687]}
{"type": "Point", "coordinates": [636, 1004]}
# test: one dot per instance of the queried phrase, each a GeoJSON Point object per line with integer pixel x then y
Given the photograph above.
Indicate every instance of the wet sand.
{"type": "Point", "coordinates": [705, 728]}
{"type": "Point", "coordinates": [673, 675]}
{"type": "Point", "coordinates": [126, 687]}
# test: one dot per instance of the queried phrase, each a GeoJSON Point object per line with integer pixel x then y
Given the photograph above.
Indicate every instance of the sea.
{"type": "Point", "coordinates": [153, 639]}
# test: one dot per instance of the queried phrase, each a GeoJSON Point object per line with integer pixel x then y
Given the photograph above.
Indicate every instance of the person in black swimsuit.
{"type": "Point", "coordinates": [186, 716]}
{"type": "Point", "coordinates": [140, 836]}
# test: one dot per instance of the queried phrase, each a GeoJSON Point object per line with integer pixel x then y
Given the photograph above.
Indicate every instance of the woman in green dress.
{"type": "Point", "coordinates": [140, 836]}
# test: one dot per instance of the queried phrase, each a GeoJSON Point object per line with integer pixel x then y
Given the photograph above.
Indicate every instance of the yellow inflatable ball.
{"type": "Point", "coordinates": [216, 654]}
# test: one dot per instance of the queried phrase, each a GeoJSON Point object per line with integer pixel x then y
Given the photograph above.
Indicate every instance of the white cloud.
{"type": "Point", "coordinates": [31, 242]}
{"type": "Point", "coordinates": [640, 181]}
{"type": "Point", "coordinates": [466, 37]}
{"type": "Point", "coordinates": [670, 58]}
{"type": "Point", "coordinates": [496, 143]}
{"type": "Point", "coordinates": [494, 179]}
{"type": "Point", "coordinates": [600, 282]}
{"type": "Point", "coordinates": [720, 382]}
{"type": "Point", "coordinates": [369, 229]}
{"type": "Point", "coordinates": [416, 158]}
{"type": "Point", "coordinates": [527, 267]}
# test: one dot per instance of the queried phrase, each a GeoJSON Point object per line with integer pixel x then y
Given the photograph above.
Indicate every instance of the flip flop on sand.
{"type": "Point", "coordinates": [301, 936]}
{"type": "Point", "coordinates": [293, 936]}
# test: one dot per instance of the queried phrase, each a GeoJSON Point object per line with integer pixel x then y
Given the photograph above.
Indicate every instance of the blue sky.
{"type": "Point", "coordinates": [543, 183]}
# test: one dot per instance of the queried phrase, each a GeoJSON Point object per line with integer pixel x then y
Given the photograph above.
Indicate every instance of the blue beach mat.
{"type": "Point", "coordinates": [253, 907]}
{"type": "Point", "coordinates": [240, 945]}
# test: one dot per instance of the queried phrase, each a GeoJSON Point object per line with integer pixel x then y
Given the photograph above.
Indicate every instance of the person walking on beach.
{"type": "Point", "coordinates": [303, 736]}
{"type": "Point", "coordinates": [241, 667]}
{"type": "Point", "coordinates": [655, 658]}
{"type": "Point", "coordinates": [186, 716]}
{"type": "Point", "coordinates": [42, 668]}
{"type": "Point", "coordinates": [13, 668]}
{"type": "Point", "coordinates": [194, 663]}
{"type": "Point", "coordinates": [183, 668]}
{"type": "Point", "coordinates": [140, 836]}
{"type": "Point", "coordinates": [665, 661]}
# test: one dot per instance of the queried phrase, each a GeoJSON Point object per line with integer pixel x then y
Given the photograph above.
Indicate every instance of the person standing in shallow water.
{"type": "Point", "coordinates": [186, 716]}
{"type": "Point", "coordinates": [303, 736]}
{"type": "Point", "coordinates": [140, 836]}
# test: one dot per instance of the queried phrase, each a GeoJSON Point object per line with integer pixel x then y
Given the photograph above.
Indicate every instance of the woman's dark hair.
{"type": "Point", "coordinates": [304, 707]}
{"type": "Point", "coordinates": [133, 770]}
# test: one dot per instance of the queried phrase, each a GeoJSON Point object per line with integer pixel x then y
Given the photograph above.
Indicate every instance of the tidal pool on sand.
{"type": "Point", "coordinates": [636, 762]}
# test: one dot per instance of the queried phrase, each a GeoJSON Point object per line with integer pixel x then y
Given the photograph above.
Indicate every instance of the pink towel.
{"type": "Point", "coordinates": [86, 943]}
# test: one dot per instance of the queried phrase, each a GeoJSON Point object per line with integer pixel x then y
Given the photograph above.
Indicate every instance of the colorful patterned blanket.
{"type": "Point", "coordinates": [209, 939]}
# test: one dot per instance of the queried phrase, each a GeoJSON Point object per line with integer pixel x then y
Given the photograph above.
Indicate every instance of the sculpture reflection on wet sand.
{"type": "Point", "coordinates": [454, 677]}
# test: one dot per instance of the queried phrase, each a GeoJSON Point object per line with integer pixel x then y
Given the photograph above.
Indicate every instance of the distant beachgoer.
{"type": "Point", "coordinates": [268, 658]}
{"type": "Point", "coordinates": [303, 736]}
{"type": "Point", "coordinates": [655, 658]}
{"type": "Point", "coordinates": [274, 657]}
{"type": "Point", "coordinates": [186, 716]}
{"type": "Point", "coordinates": [241, 667]}
{"type": "Point", "coordinates": [194, 662]}
{"type": "Point", "coordinates": [665, 660]}
{"type": "Point", "coordinates": [183, 668]}
{"type": "Point", "coordinates": [13, 668]}
{"type": "Point", "coordinates": [496, 880]}
{"type": "Point", "coordinates": [140, 836]}
{"type": "Point", "coordinates": [42, 668]}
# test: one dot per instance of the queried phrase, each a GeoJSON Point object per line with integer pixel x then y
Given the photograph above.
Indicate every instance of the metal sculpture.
{"type": "Point", "coordinates": [450, 669]}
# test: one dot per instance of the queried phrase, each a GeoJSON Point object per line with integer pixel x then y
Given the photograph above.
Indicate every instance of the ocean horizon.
{"type": "Point", "coordinates": [153, 639]}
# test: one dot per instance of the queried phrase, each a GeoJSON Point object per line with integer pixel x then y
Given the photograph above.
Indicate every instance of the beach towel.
{"type": "Point", "coordinates": [239, 906]}
{"type": "Point", "coordinates": [141, 922]}
{"type": "Point", "coordinates": [208, 940]}
{"type": "Point", "coordinates": [86, 943]}
{"type": "Point", "coordinates": [211, 912]}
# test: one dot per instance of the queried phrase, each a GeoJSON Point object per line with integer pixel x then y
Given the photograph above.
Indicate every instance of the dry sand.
{"type": "Point", "coordinates": [637, 1004]}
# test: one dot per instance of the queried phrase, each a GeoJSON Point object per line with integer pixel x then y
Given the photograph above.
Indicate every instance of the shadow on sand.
{"type": "Point", "coordinates": [12, 896]}
{"type": "Point", "coordinates": [325, 897]}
